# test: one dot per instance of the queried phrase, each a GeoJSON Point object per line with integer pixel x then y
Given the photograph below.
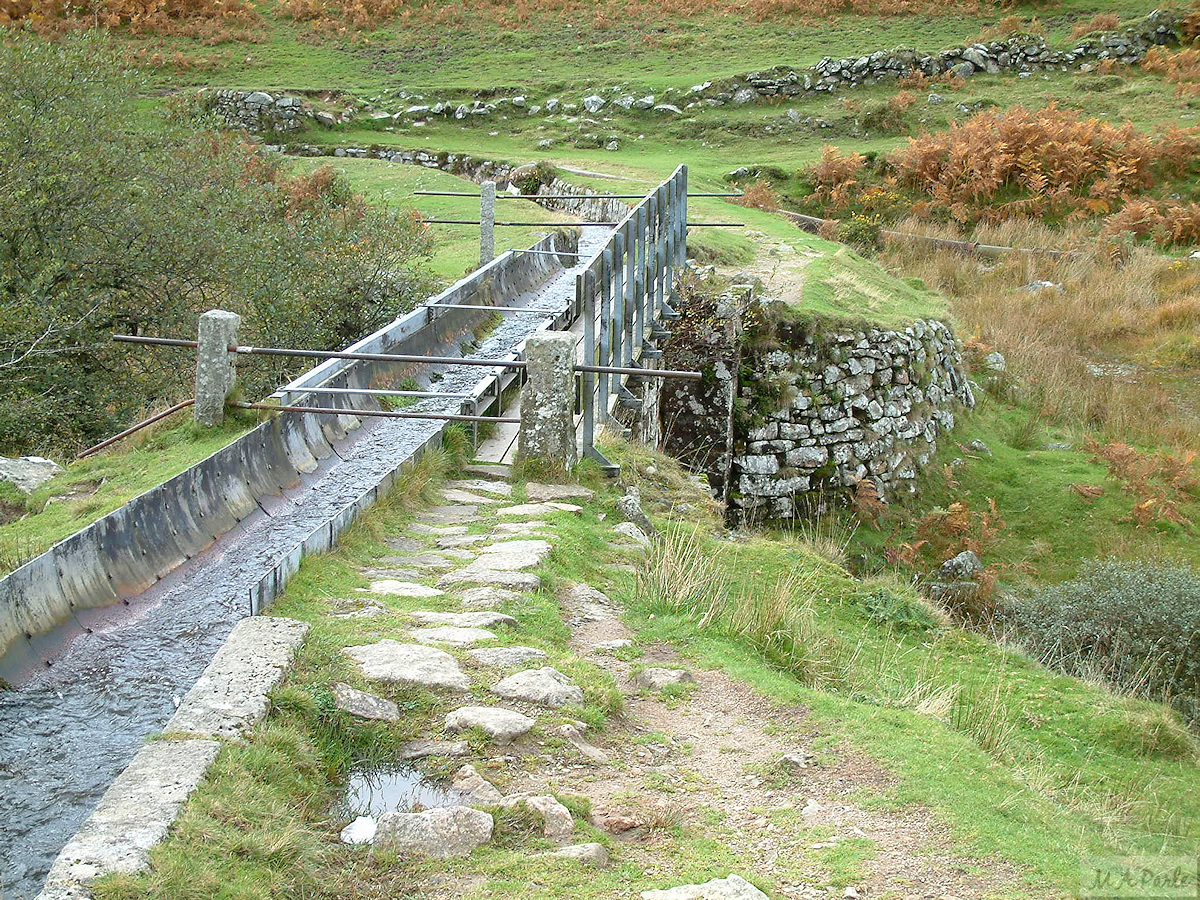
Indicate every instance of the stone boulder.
{"type": "Point", "coordinates": [656, 679]}
{"type": "Point", "coordinates": [363, 705]}
{"type": "Point", "coordinates": [28, 473]}
{"type": "Point", "coordinates": [445, 833]}
{"type": "Point", "coordinates": [501, 725]}
{"type": "Point", "coordinates": [543, 687]}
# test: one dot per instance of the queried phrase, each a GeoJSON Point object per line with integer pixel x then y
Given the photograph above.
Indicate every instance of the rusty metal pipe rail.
{"type": "Point", "coordinates": [562, 196]}
{"type": "Point", "coordinates": [135, 428]}
{"type": "Point", "coordinates": [396, 357]}
{"type": "Point", "coordinates": [573, 224]}
{"type": "Point", "coordinates": [374, 413]}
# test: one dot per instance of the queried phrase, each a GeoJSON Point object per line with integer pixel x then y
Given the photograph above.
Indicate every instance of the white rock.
{"type": "Point", "coordinates": [506, 656]}
{"type": "Point", "coordinates": [501, 725]}
{"type": "Point", "coordinates": [499, 488]}
{"type": "Point", "coordinates": [631, 531]}
{"type": "Point", "coordinates": [444, 833]}
{"type": "Point", "coordinates": [363, 705]}
{"type": "Point", "coordinates": [456, 637]}
{"type": "Point", "coordinates": [618, 644]}
{"type": "Point", "coordinates": [393, 662]}
{"type": "Point", "coordinates": [28, 473]}
{"type": "Point", "coordinates": [521, 528]}
{"type": "Point", "coordinates": [360, 831]}
{"type": "Point", "coordinates": [452, 495]}
{"type": "Point", "coordinates": [593, 103]}
{"type": "Point", "coordinates": [545, 687]}
{"type": "Point", "coordinates": [401, 589]}
{"type": "Point", "coordinates": [732, 888]}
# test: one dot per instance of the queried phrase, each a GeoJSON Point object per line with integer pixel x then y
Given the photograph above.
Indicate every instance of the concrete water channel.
{"type": "Point", "coordinates": [69, 731]}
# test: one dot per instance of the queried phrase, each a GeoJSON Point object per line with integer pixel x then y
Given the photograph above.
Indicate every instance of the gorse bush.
{"type": "Point", "coordinates": [1136, 624]}
{"type": "Point", "coordinates": [106, 226]}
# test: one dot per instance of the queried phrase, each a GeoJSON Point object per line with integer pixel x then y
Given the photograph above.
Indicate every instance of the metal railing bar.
{"type": "Point", "coordinates": [548, 252]}
{"type": "Point", "coordinates": [375, 413]}
{"type": "Point", "coordinates": [498, 309]}
{"type": "Point", "coordinates": [573, 224]}
{"type": "Point", "coordinates": [644, 373]}
{"type": "Point", "coordinates": [563, 196]}
{"type": "Point", "coordinates": [379, 393]}
{"type": "Point", "coordinates": [96, 448]}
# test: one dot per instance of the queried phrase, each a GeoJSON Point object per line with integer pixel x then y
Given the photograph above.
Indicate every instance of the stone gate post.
{"type": "Point", "coordinates": [548, 400]}
{"type": "Point", "coordinates": [215, 373]}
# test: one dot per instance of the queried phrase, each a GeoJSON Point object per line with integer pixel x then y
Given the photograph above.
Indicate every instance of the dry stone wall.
{"type": "Point", "coordinates": [259, 111]}
{"type": "Point", "coordinates": [812, 409]}
{"type": "Point", "coordinates": [830, 407]}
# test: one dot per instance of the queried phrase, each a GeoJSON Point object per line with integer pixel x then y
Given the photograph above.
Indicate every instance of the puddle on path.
{"type": "Point", "coordinates": [375, 792]}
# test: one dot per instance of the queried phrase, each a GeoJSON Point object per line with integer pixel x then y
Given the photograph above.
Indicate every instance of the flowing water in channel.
{"type": "Point", "coordinates": [68, 733]}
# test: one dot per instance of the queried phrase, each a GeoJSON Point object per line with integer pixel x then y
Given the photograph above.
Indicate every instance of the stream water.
{"type": "Point", "coordinates": [69, 732]}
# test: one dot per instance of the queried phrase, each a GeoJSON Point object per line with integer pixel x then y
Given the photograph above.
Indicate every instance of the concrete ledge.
{"type": "Point", "coordinates": [134, 815]}
{"type": "Point", "coordinates": [231, 695]}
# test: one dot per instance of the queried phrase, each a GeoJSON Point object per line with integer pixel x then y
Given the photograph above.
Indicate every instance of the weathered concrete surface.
{"type": "Point", "coordinates": [547, 405]}
{"type": "Point", "coordinates": [231, 695]}
{"type": "Point", "coordinates": [132, 817]}
{"type": "Point", "coordinates": [215, 372]}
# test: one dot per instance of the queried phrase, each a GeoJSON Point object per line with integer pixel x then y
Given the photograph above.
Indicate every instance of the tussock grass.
{"type": "Point", "coordinates": [1089, 355]}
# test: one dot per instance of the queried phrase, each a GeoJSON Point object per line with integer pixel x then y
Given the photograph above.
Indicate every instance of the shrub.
{"type": "Point", "coordinates": [861, 230]}
{"type": "Point", "coordinates": [1098, 22]}
{"type": "Point", "coordinates": [1137, 624]}
{"type": "Point", "coordinates": [759, 195]}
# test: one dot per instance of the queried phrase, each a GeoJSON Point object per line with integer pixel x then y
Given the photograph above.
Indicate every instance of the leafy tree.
{"type": "Point", "coordinates": [113, 219]}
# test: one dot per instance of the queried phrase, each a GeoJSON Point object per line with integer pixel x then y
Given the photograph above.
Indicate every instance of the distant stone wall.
{"type": "Point", "coordinates": [1023, 54]}
{"type": "Point", "coordinates": [259, 112]}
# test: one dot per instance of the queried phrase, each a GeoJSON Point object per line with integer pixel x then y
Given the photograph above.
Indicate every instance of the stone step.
{"type": "Point", "coordinates": [396, 663]}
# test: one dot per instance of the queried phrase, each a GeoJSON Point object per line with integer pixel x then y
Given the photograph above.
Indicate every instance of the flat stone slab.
{"type": "Point", "coordinates": [456, 637]}
{"type": "Point", "coordinates": [381, 573]}
{"type": "Point", "coordinates": [464, 620]}
{"type": "Point", "coordinates": [456, 496]}
{"type": "Point", "coordinates": [465, 540]}
{"type": "Point", "coordinates": [586, 603]}
{"type": "Point", "coordinates": [506, 656]}
{"type": "Point", "coordinates": [401, 589]}
{"type": "Point", "coordinates": [517, 581]}
{"type": "Point", "coordinates": [732, 888]}
{"type": "Point", "coordinates": [541, 493]}
{"type": "Point", "coordinates": [656, 679]}
{"type": "Point", "coordinates": [404, 544]}
{"type": "Point", "coordinates": [396, 663]}
{"type": "Point", "coordinates": [481, 485]}
{"type": "Point", "coordinates": [434, 559]}
{"type": "Point", "coordinates": [422, 749]}
{"type": "Point", "coordinates": [574, 736]}
{"type": "Point", "coordinates": [522, 528]}
{"type": "Point", "coordinates": [444, 833]}
{"type": "Point", "coordinates": [363, 705]}
{"type": "Point", "coordinates": [487, 597]}
{"type": "Point", "coordinates": [501, 725]}
{"type": "Point", "coordinates": [439, 530]}
{"type": "Point", "coordinates": [134, 814]}
{"type": "Point", "coordinates": [513, 556]}
{"type": "Point", "coordinates": [538, 509]}
{"type": "Point", "coordinates": [488, 470]}
{"type": "Point", "coordinates": [231, 694]}
{"type": "Point", "coordinates": [544, 687]}
{"type": "Point", "coordinates": [457, 514]}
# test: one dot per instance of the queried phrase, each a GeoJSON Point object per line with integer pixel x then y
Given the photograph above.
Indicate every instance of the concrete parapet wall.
{"type": "Point", "coordinates": [57, 594]}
